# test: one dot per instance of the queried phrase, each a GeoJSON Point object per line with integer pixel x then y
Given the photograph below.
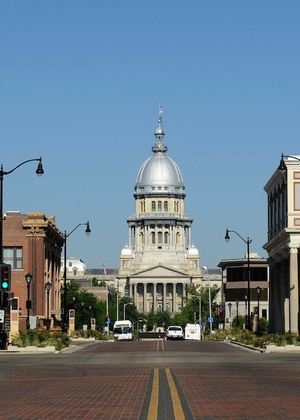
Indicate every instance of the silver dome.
{"type": "Point", "coordinates": [159, 174]}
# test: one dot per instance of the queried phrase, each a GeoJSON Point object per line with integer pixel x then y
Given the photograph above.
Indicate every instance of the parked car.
{"type": "Point", "coordinates": [175, 332]}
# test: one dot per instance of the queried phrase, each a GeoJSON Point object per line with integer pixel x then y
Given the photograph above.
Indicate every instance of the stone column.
{"type": "Point", "coordinates": [135, 293]}
{"type": "Point", "coordinates": [294, 294]}
{"type": "Point", "coordinates": [164, 295]}
{"type": "Point", "coordinates": [129, 237]}
{"type": "Point", "coordinates": [145, 298]}
{"type": "Point", "coordinates": [174, 298]}
{"type": "Point", "coordinates": [154, 296]}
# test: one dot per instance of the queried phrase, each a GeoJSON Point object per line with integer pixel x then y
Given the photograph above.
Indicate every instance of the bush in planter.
{"type": "Point", "coordinates": [41, 338]}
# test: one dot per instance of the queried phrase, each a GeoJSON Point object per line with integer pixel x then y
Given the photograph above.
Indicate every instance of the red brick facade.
{"type": "Point", "coordinates": [41, 242]}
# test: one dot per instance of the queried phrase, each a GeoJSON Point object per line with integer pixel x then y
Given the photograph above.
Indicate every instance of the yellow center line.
{"type": "Point", "coordinates": [152, 413]}
{"type": "Point", "coordinates": [179, 415]}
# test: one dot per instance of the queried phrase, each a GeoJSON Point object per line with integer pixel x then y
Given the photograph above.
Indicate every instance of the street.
{"type": "Point", "coordinates": [150, 380]}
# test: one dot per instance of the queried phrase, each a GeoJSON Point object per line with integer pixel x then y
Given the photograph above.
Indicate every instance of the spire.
{"type": "Point", "coordinates": [159, 134]}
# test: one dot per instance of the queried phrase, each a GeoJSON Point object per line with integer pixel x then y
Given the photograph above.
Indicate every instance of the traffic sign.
{"type": "Point", "coordinates": [210, 319]}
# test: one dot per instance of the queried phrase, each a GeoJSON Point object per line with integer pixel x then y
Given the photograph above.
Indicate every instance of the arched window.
{"type": "Point", "coordinates": [153, 206]}
{"type": "Point", "coordinates": [142, 206]}
{"type": "Point", "coordinates": [166, 237]}
{"type": "Point", "coordinates": [176, 206]}
{"type": "Point", "coordinates": [159, 207]}
{"type": "Point", "coordinates": [166, 207]}
{"type": "Point", "coordinates": [153, 237]}
{"type": "Point", "coordinates": [159, 237]}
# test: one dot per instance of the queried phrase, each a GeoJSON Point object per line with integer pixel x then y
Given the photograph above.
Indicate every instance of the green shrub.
{"type": "Point", "coordinates": [41, 338]}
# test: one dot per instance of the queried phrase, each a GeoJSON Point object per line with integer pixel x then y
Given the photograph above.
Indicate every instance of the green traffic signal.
{"type": "Point", "coordinates": [5, 277]}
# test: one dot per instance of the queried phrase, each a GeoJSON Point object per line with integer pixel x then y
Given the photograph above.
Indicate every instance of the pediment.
{"type": "Point", "coordinates": [159, 271]}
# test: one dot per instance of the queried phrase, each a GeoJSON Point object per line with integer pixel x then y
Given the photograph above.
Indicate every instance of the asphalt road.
{"type": "Point", "coordinates": [150, 380]}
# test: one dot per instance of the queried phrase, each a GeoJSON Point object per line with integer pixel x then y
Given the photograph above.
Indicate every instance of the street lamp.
{"type": "Point", "coordinates": [87, 231]}
{"type": "Point", "coordinates": [282, 164]}
{"type": "Point", "coordinates": [82, 305]}
{"type": "Point", "coordinates": [246, 298]}
{"type": "Point", "coordinates": [229, 307]}
{"type": "Point", "coordinates": [237, 312]}
{"type": "Point", "coordinates": [39, 172]}
{"type": "Point", "coordinates": [200, 321]}
{"type": "Point", "coordinates": [258, 290]}
{"type": "Point", "coordinates": [48, 287]}
{"type": "Point", "coordinates": [125, 304]}
{"type": "Point", "coordinates": [28, 279]}
{"type": "Point", "coordinates": [247, 242]}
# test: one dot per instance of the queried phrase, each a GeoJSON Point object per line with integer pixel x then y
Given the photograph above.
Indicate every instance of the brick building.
{"type": "Point", "coordinates": [32, 243]}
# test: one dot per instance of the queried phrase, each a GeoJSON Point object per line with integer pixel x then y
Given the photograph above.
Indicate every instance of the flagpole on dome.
{"type": "Point", "coordinates": [161, 109]}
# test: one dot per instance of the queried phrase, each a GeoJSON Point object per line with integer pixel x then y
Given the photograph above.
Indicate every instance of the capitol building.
{"type": "Point", "coordinates": [159, 259]}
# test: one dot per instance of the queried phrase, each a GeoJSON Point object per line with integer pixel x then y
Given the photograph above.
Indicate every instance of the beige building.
{"type": "Point", "coordinates": [283, 190]}
{"type": "Point", "coordinates": [159, 260]}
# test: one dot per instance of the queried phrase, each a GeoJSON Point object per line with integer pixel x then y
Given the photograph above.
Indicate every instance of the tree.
{"type": "Point", "coordinates": [86, 306]}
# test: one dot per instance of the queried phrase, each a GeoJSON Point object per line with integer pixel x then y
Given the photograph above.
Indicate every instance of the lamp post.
{"type": "Point", "coordinates": [258, 290]}
{"type": "Point", "coordinates": [237, 312]}
{"type": "Point", "coordinates": [282, 164]}
{"type": "Point", "coordinates": [229, 307]}
{"type": "Point", "coordinates": [247, 242]}
{"type": "Point", "coordinates": [118, 282]}
{"type": "Point", "coordinates": [39, 172]}
{"type": "Point", "coordinates": [125, 304]}
{"type": "Point", "coordinates": [28, 279]}
{"type": "Point", "coordinates": [200, 321]}
{"type": "Point", "coordinates": [87, 231]}
{"type": "Point", "coordinates": [48, 287]}
{"type": "Point", "coordinates": [209, 302]}
{"type": "Point", "coordinates": [82, 306]}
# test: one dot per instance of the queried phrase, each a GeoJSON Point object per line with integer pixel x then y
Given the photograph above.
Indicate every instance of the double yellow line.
{"type": "Point", "coordinates": [152, 413]}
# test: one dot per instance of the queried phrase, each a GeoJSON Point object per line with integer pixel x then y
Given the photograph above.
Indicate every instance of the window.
{"type": "Point", "coordinates": [75, 272]}
{"type": "Point", "coordinates": [13, 256]}
{"type": "Point", "coordinates": [159, 237]}
{"type": "Point", "coordinates": [166, 237]}
{"type": "Point", "coordinates": [153, 237]}
{"type": "Point", "coordinates": [166, 206]}
{"type": "Point", "coordinates": [70, 264]}
{"type": "Point", "coordinates": [153, 206]}
{"type": "Point", "coordinates": [159, 207]}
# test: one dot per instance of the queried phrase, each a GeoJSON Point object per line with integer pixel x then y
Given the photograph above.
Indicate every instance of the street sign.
{"type": "Point", "coordinates": [210, 319]}
{"type": "Point", "coordinates": [108, 320]}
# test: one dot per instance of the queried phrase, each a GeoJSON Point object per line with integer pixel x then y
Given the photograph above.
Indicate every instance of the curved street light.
{"type": "Point", "coordinates": [87, 231]}
{"type": "Point", "coordinates": [39, 172]}
{"type": "Point", "coordinates": [282, 164]}
{"type": "Point", "coordinates": [247, 242]}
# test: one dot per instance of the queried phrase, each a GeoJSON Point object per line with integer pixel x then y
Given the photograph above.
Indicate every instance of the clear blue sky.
{"type": "Point", "coordinates": [80, 86]}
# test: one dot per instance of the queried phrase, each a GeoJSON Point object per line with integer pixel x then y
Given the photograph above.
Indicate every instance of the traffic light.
{"type": "Point", "coordinates": [8, 298]}
{"type": "Point", "coordinates": [5, 283]}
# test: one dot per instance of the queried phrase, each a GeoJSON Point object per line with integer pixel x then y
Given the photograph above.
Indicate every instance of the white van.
{"type": "Point", "coordinates": [192, 332]}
